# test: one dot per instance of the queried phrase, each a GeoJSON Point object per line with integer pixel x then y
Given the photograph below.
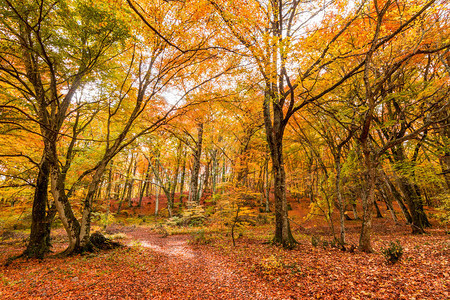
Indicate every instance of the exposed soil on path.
{"type": "Point", "coordinates": [192, 273]}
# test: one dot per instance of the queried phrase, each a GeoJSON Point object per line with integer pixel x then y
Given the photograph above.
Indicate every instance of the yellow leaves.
{"type": "Point", "coordinates": [271, 265]}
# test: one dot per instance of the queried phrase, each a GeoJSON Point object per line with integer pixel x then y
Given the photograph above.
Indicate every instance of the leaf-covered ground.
{"type": "Point", "coordinates": [154, 267]}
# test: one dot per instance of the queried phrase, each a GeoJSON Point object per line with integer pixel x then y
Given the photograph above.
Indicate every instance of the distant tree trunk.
{"type": "Point", "coordinates": [268, 184]}
{"type": "Point", "coordinates": [126, 185]}
{"type": "Point", "coordinates": [396, 195]}
{"type": "Point", "coordinates": [157, 200]}
{"type": "Point", "coordinates": [379, 215]}
{"type": "Point", "coordinates": [337, 162]}
{"type": "Point", "coordinates": [119, 207]}
{"type": "Point", "coordinates": [144, 186]}
{"type": "Point", "coordinates": [116, 194]}
{"type": "Point", "coordinates": [108, 192]}
{"type": "Point", "coordinates": [445, 166]}
{"type": "Point", "coordinates": [443, 129]}
{"type": "Point", "coordinates": [167, 188]}
{"type": "Point", "coordinates": [207, 175]}
{"type": "Point", "coordinates": [98, 196]}
{"type": "Point", "coordinates": [200, 188]}
{"type": "Point", "coordinates": [175, 177]}
{"type": "Point", "coordinates": [224, 170]}
{"type": "Point", "coordinates": [130, 189]}
{"type": "Point", "coordinates": [260, 185]}
{"type": "Point", "coordinates": [242, 165]}
{"type": "Point", "coordinates": [215, 167]}
{"type": "Point", "coordinates": [355, 211]}
{"type": "Point", "coordinates": [193, 188]}
{"type": "Point", "coordinates": [183, 176]}
{"type": "Point", "coordinates": [388, 202]}
{"type": "Point", "coordinates": [413, 200]}
{"type": "Point", "coordinates": [149, 190]}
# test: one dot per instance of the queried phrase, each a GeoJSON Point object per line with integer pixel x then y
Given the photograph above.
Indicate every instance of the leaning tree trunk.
{"type": "Point", "coordinates": [388, 201]}
{"type": "Point", "coordinates": [379, 215]}
{"type": "Point", "coordinates": [85, 230]}
{"type": "Point", "coordinates": [396, 195]}
{"type": "Point", "coordinates": [66, 215]}
{"type": "Point", "coordinates": [414, 202]}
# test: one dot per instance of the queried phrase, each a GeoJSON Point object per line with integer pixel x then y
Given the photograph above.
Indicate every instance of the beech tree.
{"type": "Point", "coordinates": [49, 50]}
{"type": "Point", "coordinates": [272, 32]}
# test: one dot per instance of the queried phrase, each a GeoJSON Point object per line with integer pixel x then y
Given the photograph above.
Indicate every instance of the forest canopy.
{"type": "Point", "coordinates": [222, 108]}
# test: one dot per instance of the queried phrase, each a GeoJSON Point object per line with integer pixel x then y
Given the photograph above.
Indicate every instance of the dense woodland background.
{"type": "Point", "coordinates": [224, 113]}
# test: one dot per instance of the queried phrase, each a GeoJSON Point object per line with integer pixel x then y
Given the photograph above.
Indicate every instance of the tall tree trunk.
{"type": "Point", "coordinates": [193, 188]}
{"type": "Point", "coordinates": [283, 233]}
{"type": "Point", "coordinates": [337, 162]}
{"type": "Point", "coordinates": [274, 136]}
{"type": "Point", "coordinates": [39, 243]}
{"type": "Point", "coordinates": [368, 197]}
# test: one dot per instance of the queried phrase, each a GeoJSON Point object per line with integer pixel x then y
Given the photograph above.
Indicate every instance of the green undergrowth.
{"type": "Point", "coordinates": [15, 218]}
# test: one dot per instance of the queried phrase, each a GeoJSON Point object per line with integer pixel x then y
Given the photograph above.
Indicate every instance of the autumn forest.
{"type": "Point", "coordinates": [213, 149]}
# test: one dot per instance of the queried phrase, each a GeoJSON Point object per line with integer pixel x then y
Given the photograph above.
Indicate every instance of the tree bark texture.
{"type": "Point", "coordinates": [193, 188]}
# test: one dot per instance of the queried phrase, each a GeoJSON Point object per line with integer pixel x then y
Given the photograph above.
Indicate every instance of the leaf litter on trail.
{"type": "Point", "coordinates": [171, 268]}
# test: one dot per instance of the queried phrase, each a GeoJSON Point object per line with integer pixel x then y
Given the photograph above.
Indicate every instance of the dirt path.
{"type": "Point", "coordinates": [153, 267]}
{"type": "Point", "coordinates": [195, 274]}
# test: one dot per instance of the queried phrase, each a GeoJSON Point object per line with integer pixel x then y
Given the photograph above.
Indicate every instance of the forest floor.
{"type": "Point", "coordinates": [155, 267]}
{"type": "Point", "coordinates": [204, 264]}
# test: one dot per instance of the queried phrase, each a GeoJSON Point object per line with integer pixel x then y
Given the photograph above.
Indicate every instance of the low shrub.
{"type": "Point", "coordinates": [393, 253]}
{"type": "Point", "coordinates": [200, 238]}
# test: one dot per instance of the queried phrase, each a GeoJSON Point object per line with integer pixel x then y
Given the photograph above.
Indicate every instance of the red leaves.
{"type": "Point", "coordinates": [171, 268]}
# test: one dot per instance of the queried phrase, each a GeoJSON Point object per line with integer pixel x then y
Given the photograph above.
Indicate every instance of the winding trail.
{"type": "Point", "coordinates": [191, 273]}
